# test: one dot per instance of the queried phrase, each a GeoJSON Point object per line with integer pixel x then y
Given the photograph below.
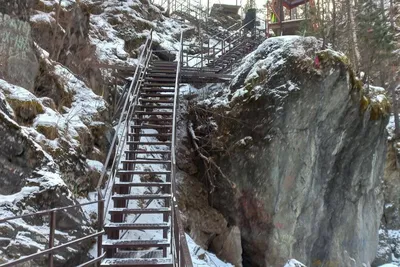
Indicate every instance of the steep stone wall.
{"type": "Point", "coordinates": [303, 149]}
{"type": "Point", "coordinates": [19, 63]}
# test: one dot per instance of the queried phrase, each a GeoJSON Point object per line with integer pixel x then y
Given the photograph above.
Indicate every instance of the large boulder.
{"type": "Point", "coordinates": [301, 149]}
{"type": "Point", "coordinates": [19, 63]}
{"type": "Point", "coordinates": [30, 181]}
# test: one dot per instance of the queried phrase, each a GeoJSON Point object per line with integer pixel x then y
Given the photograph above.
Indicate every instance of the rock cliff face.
{"type": "Point", "coordinates": [302, 150]}
{"type": "Point", "coordinates": [389, 238]}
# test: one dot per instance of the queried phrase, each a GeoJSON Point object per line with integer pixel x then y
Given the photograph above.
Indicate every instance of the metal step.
{"type": "Point", "coordinates": [145, 196]}
{"type": "Point", "coordinates": [148, 143]}
{"type": "Point", "coordinates": [146, 184]}
{"type": "Point", "coordinates": [152, 89]}
{"type": "Point", "coordinates": [160, 262]}
{"type": "Point", "coordinates": [136, 226]}
{"type": "Point", "coordinates": [163, 70]}
{"type": "Point", "coordinates": [139, 211]}
{"type": "Point", "coordinates": [150, 134]}
{"type": "Point", "coordinates": [156, 100]}
{"type": "Point", "coordinates": [129, 254]}
{"type": "Point", "coordinates": [160, 79]}
{"type": "Point", "coordinates": [159, 84]}
{"type": "Point", "coordinates": [153, 106]}
{"type": "Point", "coordinates": [132, 243]}
{"type": "Point", "coordinates": [156, 161]}
{"type": "Point", "coordinates": [148, 152]}
{"type": "Point", "coordinates": [153, 112]}
{"type": "Point", "coordinates": [163, 63]}
{"type": "Point", "coordinates": [168, 67]}
{"type": "Point", "coordinates": [152, 119]}
{"type": "Point", "coordinates": [151, 126]}
{"type": "Point", "coordinates": [143, 172]}
{"type": "Point", "coordinates": [161, 75]}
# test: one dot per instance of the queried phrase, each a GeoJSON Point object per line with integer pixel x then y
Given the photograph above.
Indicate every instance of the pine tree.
{"type": "Point", "coordinates": [250, 4]}
{"type": "Point", "coordinates": [376, 36]}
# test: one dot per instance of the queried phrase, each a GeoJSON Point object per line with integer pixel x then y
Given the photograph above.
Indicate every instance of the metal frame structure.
{"type": "Point", "coordinates": [203, 67]}
{"type": "Point", "coordinates": [180, 252]}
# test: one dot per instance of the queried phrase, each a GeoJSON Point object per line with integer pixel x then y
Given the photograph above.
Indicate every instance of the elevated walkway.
{"type": "Point", "coordinates": [143, 226]}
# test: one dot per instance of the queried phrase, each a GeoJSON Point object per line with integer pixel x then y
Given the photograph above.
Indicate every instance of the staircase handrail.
{"type": "Point", "coordinates": [137, 86]}
{"type": "Point", "coordinates": [181, 253]}
{"type": "Point", "coordinates": [227, 29]}
{"type": "Point", "coordinates": [238, 31]}
{"type": "Point", "coordinates": [213, 51]}
{"type": "Point", "coordinates": [230, 49]}
{"type": "Point", "coordinates": [52, 228]}
{"type": "Point", "coordinates": [127, 111]}
{"type": "Point", "coordinates": [132, 102]}
{"type": "Point", "coordinates": [121, 127]}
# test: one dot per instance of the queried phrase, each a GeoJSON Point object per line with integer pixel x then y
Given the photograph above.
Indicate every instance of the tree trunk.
{"type": "Point", "coordinates": [391, 14]}
{"type": "Point", "coordinates": [395, 109]}
{"type": "Point", "coordinates": [334, 23]}
{"type": "Point", "coordinates": [353, 35]}
{"type": "Point", "coordinates": [55, 31]}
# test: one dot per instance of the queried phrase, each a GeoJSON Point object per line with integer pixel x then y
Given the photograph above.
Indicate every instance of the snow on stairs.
{"type": "Point", "coordinates": [145, 177]}
{"type": "Point", "coordinates": [137, 262]}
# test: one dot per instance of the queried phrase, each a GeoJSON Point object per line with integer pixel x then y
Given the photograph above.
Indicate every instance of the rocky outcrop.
{"type": "Point", "coordinates": [30, 181]}
{"type": "Point", "coordinates": [64, 33]}
{"type": "Point", "coordinates": [208, 227]}
{"type": "Point", "coordinates": [301, 149]}
{"type": "Point", "coordinates": [389, 237]}
{"type": "Point", "coordinates": [19, 62]}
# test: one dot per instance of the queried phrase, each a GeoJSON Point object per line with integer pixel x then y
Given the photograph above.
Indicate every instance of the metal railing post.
{"type": "Point", "coordinates": [100, 220]}
{"type": "Point", "coordinates": [51, 236]}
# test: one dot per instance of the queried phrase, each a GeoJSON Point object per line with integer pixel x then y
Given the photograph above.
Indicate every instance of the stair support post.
{"type": "Point", "coordinates": [100, 220]}
{"type": "Point", "coordinates": [51, 236]}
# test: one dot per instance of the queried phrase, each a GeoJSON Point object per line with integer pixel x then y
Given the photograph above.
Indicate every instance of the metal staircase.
{"type": "Point", "coordinates": [143, 174]}
{"type": "Point", "coordinates": [191, 10]}
{"type": "Point", "coordinates": [227, 51]}
{"type": "Point", "coordinates": [138, 217]}
{"type": "Point", "coordinates": [144, 182]}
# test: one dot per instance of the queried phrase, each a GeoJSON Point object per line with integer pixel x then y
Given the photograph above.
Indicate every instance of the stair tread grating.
{"type": "Point", "coordinates": [137, 211]}
{"type": "Point", "coordinates": [165, 262]}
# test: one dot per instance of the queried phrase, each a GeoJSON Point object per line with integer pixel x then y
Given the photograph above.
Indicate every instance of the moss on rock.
{"type": "Point", "coordinates": [378, 108]}
{"type": "Point", "coordinates": [26, 110]}
{"type": "Point", "coordinates": [50, 131]}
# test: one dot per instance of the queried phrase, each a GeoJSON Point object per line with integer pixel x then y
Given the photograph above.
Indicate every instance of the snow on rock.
{"type": "Point", "coordinates": [294, 263]}
{"type": "Point", "coordinates": [122, 27]}
{"type": "Point", "coordinates": [202, 258]}
{"type": "Point", "coordinates": [95, 165]}
{"type": "Point", "coordinates": [42, 17]}
{"type": "Point", "coordinates": [38, 187]}
{"type": "Point", "coordinates": [269, 57]}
